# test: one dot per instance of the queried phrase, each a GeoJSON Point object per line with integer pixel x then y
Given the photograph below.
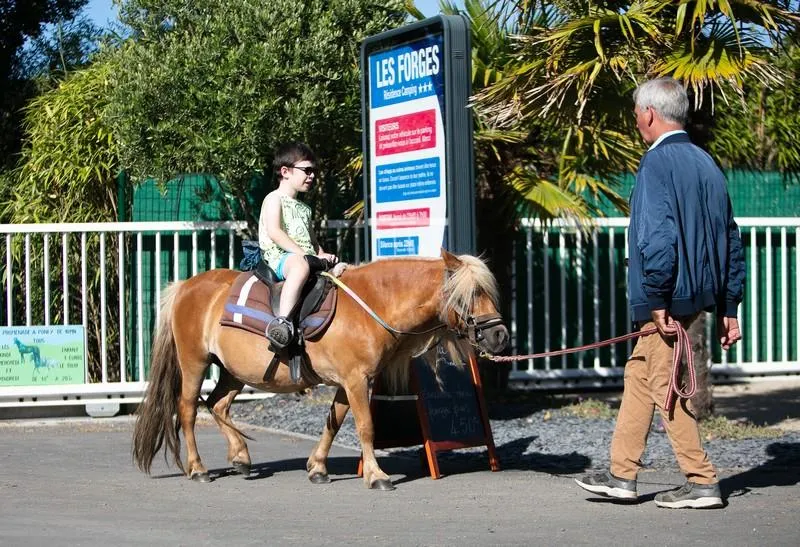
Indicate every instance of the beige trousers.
{"type": "Point", "coordinates": [647, 375]}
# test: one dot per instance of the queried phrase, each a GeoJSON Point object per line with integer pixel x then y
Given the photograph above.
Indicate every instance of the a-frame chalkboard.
{"type": "Point", "coordinates": [438, 417]}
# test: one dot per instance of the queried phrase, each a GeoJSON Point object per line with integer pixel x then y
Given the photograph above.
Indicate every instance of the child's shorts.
{"type": "Point", "coordinates": [279, 267]}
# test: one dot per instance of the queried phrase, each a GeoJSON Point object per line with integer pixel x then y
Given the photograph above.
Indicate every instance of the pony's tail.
{"type": "Point", "coordinates": [157, 421]}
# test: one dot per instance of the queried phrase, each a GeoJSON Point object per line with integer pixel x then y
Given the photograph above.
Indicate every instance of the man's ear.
{"type": "Point", "coordinates": [651, 116]}
{"type": "Point", "coordinates": [451, 261]}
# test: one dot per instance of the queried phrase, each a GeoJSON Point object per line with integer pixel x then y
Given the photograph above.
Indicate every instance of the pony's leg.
{"type": "Point", "coordinates": [358, 395]}
{"type": "Point", "coordinates": [317, 464]}
{"type": "Point", "coordinates": [192, 372]}
{"type": "Point", "coordinates": [219, 402]}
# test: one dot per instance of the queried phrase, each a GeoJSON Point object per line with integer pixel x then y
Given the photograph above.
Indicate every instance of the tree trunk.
{"type": "Point", "coordinates": [495, 241]}
{"type": "Point", "coordinates": [702, 401]}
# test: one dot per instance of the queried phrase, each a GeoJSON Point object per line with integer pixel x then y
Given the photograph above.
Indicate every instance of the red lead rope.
{"type": "Point", "coordinates": [683, 346]}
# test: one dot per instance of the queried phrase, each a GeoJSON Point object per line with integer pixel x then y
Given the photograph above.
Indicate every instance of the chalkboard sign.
{"type": "Point", "coordinates": [440, 415]}
{"type": "Point", "coordinates": [452, 408]}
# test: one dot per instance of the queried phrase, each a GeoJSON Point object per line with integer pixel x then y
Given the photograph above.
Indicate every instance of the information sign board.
{"type": "Point", "coordinates": [419, 175]}
{"type": "Point", "coordinates": [42, 355]}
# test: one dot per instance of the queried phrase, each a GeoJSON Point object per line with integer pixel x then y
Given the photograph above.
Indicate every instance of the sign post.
{"type": "Point", "coordinates": [419, 196]}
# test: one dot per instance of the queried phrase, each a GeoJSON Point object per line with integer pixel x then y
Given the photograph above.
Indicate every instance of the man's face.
{"type": "Point", "coordinates": [644, 122]}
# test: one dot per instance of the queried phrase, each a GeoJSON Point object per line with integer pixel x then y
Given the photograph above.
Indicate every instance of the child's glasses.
{"type": "Point", "coordinates": [307, 170]}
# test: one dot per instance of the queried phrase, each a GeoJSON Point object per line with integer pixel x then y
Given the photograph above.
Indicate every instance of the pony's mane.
{"type": "Point", "coordinates": [466, 282]}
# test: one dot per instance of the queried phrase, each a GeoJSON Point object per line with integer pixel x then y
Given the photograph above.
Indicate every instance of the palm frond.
{"type": "Point", "coordinates": [542, 198]}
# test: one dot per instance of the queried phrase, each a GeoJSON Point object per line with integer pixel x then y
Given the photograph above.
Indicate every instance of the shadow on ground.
{"type": "Point", "coordinates": [783, 469]}
{"type": "Point", "coordinates": [767, 408]}
{"type": "Point", "coordinates": [409, 462]}
{"type": "Point", "coordinates": [511, 456]}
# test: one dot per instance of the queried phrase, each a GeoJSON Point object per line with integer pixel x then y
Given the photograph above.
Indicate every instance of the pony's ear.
{"type": "Point", "coordinates": [451, 261]}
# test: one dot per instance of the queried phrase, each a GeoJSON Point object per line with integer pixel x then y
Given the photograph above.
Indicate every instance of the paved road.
{"type": "Point", "coordinates": [72, 483]}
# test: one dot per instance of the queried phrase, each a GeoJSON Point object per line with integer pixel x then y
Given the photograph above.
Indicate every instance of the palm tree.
{"type": "Point", "coordinates": [582, 58]}
{"type": "Point", "coordinates": [761, 132]}
{"type": "Point", "coordinates": [517, 167]}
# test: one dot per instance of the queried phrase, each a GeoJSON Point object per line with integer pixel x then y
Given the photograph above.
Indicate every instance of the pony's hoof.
{"type": "Point", "coordinates": [242, 468]}
{"type": "Point", "coordinates": [319, 478]}
{"type": "Point", "coordinates": [382, 484]}
{"type": "Point", "coordinates": [201, 477]}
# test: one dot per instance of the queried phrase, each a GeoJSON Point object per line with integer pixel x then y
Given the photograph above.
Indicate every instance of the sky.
{"type": "Point", "coordinates": [103, 12]}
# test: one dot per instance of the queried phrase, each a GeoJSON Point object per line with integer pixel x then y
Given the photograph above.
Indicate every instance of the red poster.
{"type": "Point", "coordinates": [398, 134]}
{"type": "Point", "coordinates": [406, 218]}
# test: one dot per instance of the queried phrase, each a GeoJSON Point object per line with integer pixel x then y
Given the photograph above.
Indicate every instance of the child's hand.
{"type": "Point", "coordinates": [333, 259]}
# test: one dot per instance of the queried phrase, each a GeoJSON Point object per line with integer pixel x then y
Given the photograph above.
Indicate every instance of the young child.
{"type": "Point", "coordinates": [286, 235]}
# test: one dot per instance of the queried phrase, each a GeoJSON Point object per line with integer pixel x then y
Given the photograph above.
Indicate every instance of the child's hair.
{"type": "Point", "coordinates": [289, 154]}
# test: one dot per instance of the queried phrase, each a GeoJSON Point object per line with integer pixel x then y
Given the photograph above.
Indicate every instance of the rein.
{"type": "Point", "coordinates": [683, 346]}
{"type": "Point", "coordinates": [339, 283]}
{"type": "Point", "coordinates": [473, 330]}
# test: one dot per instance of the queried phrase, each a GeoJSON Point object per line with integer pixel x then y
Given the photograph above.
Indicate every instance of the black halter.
{"type": "Point", "coordinates": [474, 326]}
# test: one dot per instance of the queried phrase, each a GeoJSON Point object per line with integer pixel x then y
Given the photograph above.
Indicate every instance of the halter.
{"type": "Point", "coordinates": [474, 326]}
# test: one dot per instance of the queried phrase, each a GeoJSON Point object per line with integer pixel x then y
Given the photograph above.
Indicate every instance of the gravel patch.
{"type": "Point", "coordinates": [530, 432]}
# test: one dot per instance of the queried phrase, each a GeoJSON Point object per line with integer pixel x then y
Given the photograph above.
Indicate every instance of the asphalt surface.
{"type": "Point", "coordinates": [71, 482]}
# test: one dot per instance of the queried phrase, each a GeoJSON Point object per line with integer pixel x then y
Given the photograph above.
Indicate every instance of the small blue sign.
{"type": "Point", "coordinates": [398, 246]}
{"type": "Point", "coordinates": [417, 179]}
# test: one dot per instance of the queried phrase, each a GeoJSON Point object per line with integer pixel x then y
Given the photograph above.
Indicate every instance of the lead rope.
{"type": "Point", "coordinates": [683, 346]}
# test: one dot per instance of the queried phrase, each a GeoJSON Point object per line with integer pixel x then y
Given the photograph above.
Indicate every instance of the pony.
{"type": "Point", "coordinates": [33, 351]}
{"type": "Point", "coordinates": [420, 301]}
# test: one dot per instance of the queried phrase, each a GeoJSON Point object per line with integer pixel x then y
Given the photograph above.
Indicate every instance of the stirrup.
{"type": "Point", "coordinates": [280, 332]}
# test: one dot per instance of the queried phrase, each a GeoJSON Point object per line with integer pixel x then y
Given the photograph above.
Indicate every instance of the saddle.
{"type": "Point", "coordinates": [251, 305]}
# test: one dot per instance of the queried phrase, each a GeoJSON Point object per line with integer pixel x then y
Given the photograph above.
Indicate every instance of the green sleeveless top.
{"type": "Point", "coordinates": [296, 222]}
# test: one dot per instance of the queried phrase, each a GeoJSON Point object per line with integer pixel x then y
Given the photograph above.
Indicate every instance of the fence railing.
{"type": "Point", "coordinates": [106, 277]}
{"type": "Point", "coordinates": [568, 289]}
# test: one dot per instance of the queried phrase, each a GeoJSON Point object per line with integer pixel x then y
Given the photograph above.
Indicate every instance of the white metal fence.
{"type": "Point", "coordinates": [94, 275]}
{"type": "Point", "coordinates": [108, 277]}
{"type": "Point", "coordinates": [568, 289]}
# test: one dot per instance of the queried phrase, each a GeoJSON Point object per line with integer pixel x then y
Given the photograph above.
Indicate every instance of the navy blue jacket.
{"type": "Point", "coordinates": [684, 249]}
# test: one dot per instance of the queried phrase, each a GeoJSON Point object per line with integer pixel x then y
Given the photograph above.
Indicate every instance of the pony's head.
{"type": "Point", "coordinates": [469, 303]}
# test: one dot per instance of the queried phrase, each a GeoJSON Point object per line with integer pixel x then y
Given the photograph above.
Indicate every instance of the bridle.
{"type": "Point", "coordinates": [473, 327]}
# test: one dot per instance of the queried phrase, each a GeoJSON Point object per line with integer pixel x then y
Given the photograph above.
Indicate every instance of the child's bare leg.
{"type": "Point", "coordinates": [296, 271]}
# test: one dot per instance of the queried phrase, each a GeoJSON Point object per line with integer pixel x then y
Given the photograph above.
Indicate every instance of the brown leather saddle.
{"type": "Point", "coordinates": [251, 305]}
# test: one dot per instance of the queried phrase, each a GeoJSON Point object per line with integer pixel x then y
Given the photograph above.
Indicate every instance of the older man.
{"type": "Point", "coordinates": [685, 256]}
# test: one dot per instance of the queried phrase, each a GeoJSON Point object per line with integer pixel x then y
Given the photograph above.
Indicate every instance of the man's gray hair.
{"type": "Point", "coordinates": [666, 96]}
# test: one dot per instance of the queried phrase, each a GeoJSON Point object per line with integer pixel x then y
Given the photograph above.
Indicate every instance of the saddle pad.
{"type": "Point", "coordinates": [248, 307]}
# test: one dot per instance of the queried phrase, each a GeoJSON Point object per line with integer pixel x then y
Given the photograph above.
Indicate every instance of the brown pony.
{"type": "Point", "coordinates": [411, 295]}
